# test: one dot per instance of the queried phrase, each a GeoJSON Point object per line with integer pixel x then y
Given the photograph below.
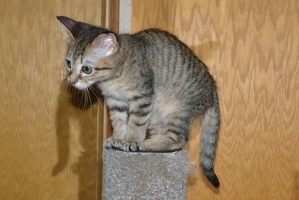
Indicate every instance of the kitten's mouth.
{"type": "Point", "coordinates": [80, 85]}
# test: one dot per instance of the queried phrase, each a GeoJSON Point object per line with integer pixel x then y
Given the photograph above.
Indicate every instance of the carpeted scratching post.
{"type": "Point", "coordinates": [145, 175]}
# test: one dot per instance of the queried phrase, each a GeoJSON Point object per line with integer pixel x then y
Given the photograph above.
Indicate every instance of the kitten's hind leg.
{"type": "Point", "coordinates": [169, 138]}
{"type": "Point", "coordinates": [163, 142]}
{"type": "Point", "coordinates": [173, 135]}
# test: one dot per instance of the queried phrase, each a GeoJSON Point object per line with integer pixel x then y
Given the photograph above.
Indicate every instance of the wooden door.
{"type": "Point", "coordinates": [50, 149]}
{"type": "Point", "coordinates": [251, 48]}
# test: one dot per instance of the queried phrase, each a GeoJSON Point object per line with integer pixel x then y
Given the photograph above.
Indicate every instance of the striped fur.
{"type": "Point", "coordinates": [153, 83]}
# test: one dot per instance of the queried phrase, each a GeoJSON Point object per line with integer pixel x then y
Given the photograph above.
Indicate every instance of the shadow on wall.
{"type": "Point", "coordinates": [73, 105]}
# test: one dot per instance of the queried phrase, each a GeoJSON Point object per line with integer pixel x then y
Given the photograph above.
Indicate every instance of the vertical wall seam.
{"type": "Point", "coordinates": [125, 16]}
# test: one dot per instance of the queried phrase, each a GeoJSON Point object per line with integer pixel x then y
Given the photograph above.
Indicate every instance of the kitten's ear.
{"type": "Point", "coordinates": [69, 27]}
{"type": "Point", "coordinates": [106, 42]}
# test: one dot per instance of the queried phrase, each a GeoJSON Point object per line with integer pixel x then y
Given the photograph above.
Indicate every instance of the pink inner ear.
{"type": "Point", "coordinates": [106, 42]}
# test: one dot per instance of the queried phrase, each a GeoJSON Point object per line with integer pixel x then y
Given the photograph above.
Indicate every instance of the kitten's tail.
{"type": "Point", "coordinates": [209, 135]}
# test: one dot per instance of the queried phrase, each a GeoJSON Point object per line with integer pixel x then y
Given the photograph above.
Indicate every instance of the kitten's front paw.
{"type": "Point", "coordinates": [122, 144]}
{"type": "Point", "coordinates": [112, 142]}
{"type": "Point", "coordinates": [131, 146]}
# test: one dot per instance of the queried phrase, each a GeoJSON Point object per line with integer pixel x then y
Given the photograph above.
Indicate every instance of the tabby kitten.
{"type": "Point", "coordinates": [154, 86]}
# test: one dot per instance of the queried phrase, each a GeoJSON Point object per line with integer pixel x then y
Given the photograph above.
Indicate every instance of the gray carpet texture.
{"type": "Point", "coordinates": [145, 175]}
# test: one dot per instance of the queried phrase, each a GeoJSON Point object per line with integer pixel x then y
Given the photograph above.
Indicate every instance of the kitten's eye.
{"type": "Point", "coordinates": [87, 69]}
{"type": "Point", "coordinates": [68, 63]}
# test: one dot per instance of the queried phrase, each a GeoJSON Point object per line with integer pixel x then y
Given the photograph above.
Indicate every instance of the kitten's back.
{"type": "Point", "coordinates": [178, 72]}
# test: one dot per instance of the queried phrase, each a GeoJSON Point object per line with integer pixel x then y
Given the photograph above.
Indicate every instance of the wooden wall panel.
{"type": "Point", "coordinates": [49, 148]}
{"type": "Point", "coordinates": [251, 48]}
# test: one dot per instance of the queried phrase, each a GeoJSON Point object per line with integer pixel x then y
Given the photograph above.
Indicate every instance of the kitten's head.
{"type": "Point", "coordinates": [89, 48]}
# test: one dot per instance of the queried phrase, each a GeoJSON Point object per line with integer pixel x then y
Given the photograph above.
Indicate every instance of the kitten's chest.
{"type": "Point", "coordinates": [118, 90]}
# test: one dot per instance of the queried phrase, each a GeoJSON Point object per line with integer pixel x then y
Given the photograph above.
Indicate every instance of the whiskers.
{"type": "Point", "coordinates": [84, 98]}
{"type": "Point", "coordinates": [96, 93]}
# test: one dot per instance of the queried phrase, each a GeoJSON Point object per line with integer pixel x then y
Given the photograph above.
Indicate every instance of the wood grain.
{"type": "Point", "coordinates": [251, 48]}
{"type": "Point", "coordinates": [49, 148]}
